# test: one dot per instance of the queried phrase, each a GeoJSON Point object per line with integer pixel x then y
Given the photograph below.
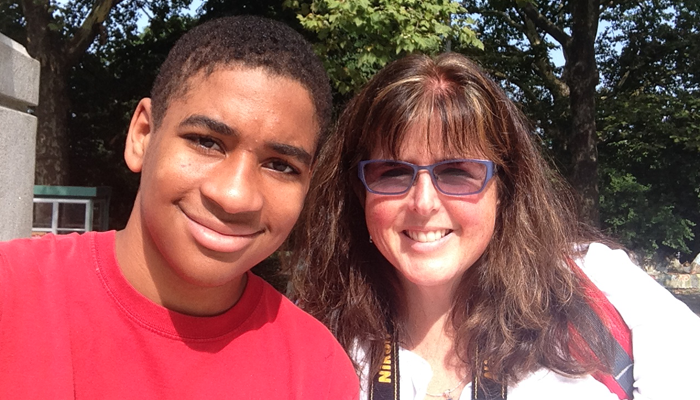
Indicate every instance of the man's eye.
{"type": "Point", "coordinates": [205, 142]}
{"type": "Point", "coordinates": [281, 166]}
{"type": "Point", "coordinates": [208, 143]}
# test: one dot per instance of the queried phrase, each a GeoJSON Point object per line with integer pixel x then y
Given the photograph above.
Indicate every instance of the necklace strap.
{"type": "Point", "coordinates": [446, 393]}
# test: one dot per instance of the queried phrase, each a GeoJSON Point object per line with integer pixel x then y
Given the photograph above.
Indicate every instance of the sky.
{"type": "Point", "coordinates": [557, 55]}
{"type": "Point", "coordinates": [143, 20]}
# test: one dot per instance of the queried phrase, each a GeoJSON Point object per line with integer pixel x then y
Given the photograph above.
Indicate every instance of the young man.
{"type": "Point", "coordinates": [167, 307]}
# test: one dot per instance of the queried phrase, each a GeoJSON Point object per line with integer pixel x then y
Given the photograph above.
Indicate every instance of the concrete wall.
{"type": "Point", "coordinates": [19, 90]}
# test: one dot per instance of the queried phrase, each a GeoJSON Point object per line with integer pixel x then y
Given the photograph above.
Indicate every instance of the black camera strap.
{"type": "Point", "coordinates": [385, 385]}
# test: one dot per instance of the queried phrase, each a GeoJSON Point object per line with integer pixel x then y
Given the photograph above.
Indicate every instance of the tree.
{"type": "Point", "coordinates": [648, 58]}
{"type": "Point", "coordinates": [273, 9]}
{"type": "Point", "coordinates": [357, 38]}
{"type": "Point", "coordinates": [58, 38]}
{"type": "Point", "coordinates": [519, 37]}
{"type": "Point", "coordinates": [12, 21]}
{"type": "Point", "coordinates": [650, 126]}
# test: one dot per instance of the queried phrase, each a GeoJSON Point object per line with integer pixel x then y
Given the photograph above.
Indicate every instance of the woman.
{"type": "Point", "coordinates": [436, 223]}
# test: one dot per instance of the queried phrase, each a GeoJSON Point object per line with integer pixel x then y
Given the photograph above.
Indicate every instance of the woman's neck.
{"type": "Point", "coordinates": [430, 334]}
{"type": "Point", "coordinates": [427, 317]}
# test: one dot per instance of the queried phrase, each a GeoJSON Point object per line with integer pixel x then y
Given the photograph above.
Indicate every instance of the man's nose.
{"type": "Point", "coordinates": [235, 187]}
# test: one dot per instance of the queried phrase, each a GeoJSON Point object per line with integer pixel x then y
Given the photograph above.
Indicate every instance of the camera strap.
{"type": "Point", "coordinates": [385, 385]}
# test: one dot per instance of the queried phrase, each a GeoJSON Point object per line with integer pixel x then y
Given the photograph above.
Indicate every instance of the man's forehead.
{"type": "Point", "coordinates": [197, 78]}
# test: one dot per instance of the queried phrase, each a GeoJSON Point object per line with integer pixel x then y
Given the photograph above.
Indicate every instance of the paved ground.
{"type": "Point", "coordinates": [692, 299]}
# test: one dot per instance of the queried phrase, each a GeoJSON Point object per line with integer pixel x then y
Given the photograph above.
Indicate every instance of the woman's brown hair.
{"type": "Point", "coordinates": [516, 306]}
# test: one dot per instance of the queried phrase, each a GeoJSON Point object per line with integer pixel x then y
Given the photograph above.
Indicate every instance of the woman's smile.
{"type": "Point", "coordinates": [427, 236]}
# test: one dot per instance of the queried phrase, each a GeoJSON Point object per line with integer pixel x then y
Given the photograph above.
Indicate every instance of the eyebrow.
{"type": "Point", "coordinates": [209, 123]}
{"type": "Point", "coordinates": [293, 151]}
{"type": "Point", "coordinates": [221, 128]}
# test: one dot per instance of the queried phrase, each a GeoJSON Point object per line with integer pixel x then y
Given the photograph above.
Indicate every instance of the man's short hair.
{"type": "Point", "coordinates": [246, 41]}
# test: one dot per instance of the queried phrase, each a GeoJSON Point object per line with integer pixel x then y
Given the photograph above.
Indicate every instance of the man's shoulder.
{"type": "Point", "coordinates": [309, 344]}
{"type": "Point", "coordinates": [51, 249]}
{"type": "Point", "coordinates": [32, 248]}
{"type": "Point", "coordinates": [41, 245]}
{"type": "Point", "coordinates": [295, 320]}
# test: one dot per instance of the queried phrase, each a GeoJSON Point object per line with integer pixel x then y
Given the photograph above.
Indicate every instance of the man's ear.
{"type": "Point", "coordinates": [140, 131]}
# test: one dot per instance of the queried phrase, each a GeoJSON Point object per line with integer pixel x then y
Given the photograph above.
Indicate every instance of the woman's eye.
{"type": "Point", "coordinates": [396, 172]}
{"type": "Point", "coordinates": [281, 166]}
{"type": "Point", "coordinates": [455, 172]}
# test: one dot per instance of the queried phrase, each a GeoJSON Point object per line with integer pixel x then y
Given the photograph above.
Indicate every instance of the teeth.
{"type": "Point", "coordinates": [425, 237]}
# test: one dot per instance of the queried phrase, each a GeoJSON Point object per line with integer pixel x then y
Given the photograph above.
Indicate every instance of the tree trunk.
{"type": "Point", "coordinates": [52, 161]}
{"type": "Point", "coordinates": [45, 45]}
{"type": "Point", "coordinates": [581, 74]}
{"type": "Point", "coordinates": [57, 55]}
{"type": "Point", "coordinates": [580, 77]}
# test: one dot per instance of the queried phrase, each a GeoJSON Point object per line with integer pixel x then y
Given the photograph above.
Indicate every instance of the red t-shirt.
{"type": "Point", "coordinates": [71, 326]}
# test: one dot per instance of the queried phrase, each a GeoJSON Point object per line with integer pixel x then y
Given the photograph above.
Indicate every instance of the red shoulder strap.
{"type": "Point", "coordinates": [610, 325]}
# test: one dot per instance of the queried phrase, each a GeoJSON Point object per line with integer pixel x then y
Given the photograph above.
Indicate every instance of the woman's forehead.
{"type": "Point", "coordinates": [427, 138]}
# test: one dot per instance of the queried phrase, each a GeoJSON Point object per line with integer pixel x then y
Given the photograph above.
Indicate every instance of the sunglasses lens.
{"type": "Point", "coordinates": [460, 177]}
{"type": "Point", "coordinates": [387, 177]}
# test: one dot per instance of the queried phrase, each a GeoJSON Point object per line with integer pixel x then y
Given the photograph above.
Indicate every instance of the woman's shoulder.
{"type": "Point", "coordinates": [642, 302]}
{"type": "Point", "coordinates": [603, 263]}
{"type": "Point", "coordinates": [544, 384]}
{"type": "Point", "coordinates": [627, 286]}
{"type": "Point", "coordinates": [654, 316]}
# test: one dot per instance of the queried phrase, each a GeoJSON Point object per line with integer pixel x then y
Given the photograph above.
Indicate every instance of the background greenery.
{"type": "Point", "coordinates": [611, 87]}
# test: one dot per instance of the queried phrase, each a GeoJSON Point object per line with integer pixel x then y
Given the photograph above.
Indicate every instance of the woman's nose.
{"type": "Point", "coordinates": [424, 194]}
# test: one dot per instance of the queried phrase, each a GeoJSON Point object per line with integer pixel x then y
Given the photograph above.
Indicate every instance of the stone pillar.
{"type": "Point", "coordinates": [19, 90]}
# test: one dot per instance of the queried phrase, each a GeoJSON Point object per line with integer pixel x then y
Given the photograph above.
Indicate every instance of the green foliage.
{"type": "Point", "coordinates": [649, 151]}
{"type": "Point", "coordinates": [273, 9]}
{"type": "Point", "coordinates": [649, 125]}
{"type": "Point", "coordinates": [12, 21]}
{"type": "Point", "coordinates": [648, 56]}
{"type": "Point", "coordinates": [520, 55]}
{"type": "Point", "coordinates": [638, 221]}
{"type": "Point", "coordinates": [357, 38]}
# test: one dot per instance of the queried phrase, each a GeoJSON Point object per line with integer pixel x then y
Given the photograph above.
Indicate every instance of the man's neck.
{"type": "Point", "coordinates": [149, 273]}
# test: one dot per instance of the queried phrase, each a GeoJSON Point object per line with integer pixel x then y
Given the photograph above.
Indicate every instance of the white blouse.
{"type": "Point", "coordinates": [665, 334]}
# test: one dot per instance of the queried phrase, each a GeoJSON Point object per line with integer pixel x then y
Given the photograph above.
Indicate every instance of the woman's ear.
{"type": "Point", "coordinates": [140, 132]}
